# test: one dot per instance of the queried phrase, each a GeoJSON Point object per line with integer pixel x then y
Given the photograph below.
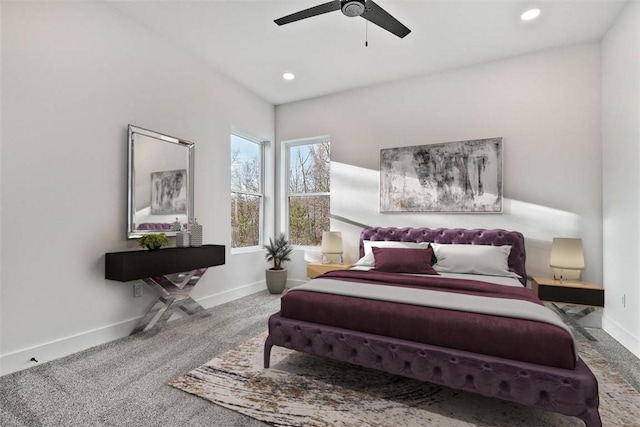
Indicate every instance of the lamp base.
{"type": "Point", "coordinates": [567, 274]}
{"type": "Point", "coordinates": [327, 260]}
{"type": "Point", "coordinates": [559, 276]}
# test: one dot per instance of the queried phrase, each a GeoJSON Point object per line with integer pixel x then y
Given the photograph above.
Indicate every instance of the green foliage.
{"type": "Point", "coordinates": [308, 218]}
{"type": "Point", "coordinates": [278, 250]}
{"type": "Point", "coordinates": [245, 220]}
{"type": "Point", "coordinates": [309, 177]}
{"type": "Point", "coordinates": [309, 209]}
{"type": "Point", "coordinates": [153, 240]}
{"type": "Point", "coordinates": [246, 192]}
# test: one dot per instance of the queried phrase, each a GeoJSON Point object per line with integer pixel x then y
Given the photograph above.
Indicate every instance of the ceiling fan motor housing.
{"type": "Point", "coordinates": [352, 8]}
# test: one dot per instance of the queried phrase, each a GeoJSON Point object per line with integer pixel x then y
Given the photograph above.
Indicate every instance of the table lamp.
{"type": "Point", "coordinates": [331, 244]}
{"type": "Point", "coordinates": [567, 254]}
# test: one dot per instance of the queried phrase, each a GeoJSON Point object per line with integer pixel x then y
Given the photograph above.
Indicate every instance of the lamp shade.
{"type": "Point", "coordinates": [331, 242]}
{"type": "Point", "coordinates": [567, 253]}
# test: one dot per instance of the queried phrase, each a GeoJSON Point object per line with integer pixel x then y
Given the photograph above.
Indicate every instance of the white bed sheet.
{"type": "Point", "coordinates": [498, 280]}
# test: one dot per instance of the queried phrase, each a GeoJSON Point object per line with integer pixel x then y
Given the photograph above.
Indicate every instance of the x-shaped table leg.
{"type": "Point", "coordinates": [173, 293]}
{"type": "Point", "coordinates": [572, 318]}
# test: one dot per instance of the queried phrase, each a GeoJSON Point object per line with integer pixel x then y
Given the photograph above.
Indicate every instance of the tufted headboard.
{"type": "Point", "coordinates": [478, 236]}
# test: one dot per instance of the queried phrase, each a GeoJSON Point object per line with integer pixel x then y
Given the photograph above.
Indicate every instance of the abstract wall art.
{"type": "Point", "coordinates": [461, 176]}
{"type": "Point", "coordinates": [169, 192]}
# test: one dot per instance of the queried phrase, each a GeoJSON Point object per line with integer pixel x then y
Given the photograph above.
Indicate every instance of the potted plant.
{"type": "Point", "coordinates": [153, 241]}
{"type": "Point", "coordinates": [278, 251]}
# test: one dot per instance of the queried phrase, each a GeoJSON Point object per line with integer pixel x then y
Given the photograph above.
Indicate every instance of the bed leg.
{"type": "Point", "coordinates": [591, 418]}
{"type": "Point", "coordinates": [267, 352]}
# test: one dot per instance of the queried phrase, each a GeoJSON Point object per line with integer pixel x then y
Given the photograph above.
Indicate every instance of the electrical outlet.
{"type": "Point", "coordinates": [137, 290]}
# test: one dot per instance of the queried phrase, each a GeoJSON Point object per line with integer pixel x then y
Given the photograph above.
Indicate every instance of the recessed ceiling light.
{"type": "Point", "coordinates": [288, 76]}
{"type": "Point", "coordinates": [530, 14]}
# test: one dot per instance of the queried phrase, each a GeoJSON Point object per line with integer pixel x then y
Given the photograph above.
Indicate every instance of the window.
{"type": "Point", "coordinates": [308, 186]}
{"type": "Point", "coordinates": [247, 197]}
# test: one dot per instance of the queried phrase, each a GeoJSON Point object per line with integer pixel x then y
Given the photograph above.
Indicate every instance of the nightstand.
{"type": "Point", "coordinates": [569, 294]}
{"type": "Point", "coordinates": [315, 269]}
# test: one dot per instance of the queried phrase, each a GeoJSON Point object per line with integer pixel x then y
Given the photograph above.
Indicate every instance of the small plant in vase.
{"type": "Point", "coordinates": [278, 251]}
{"type": "Point", "coordinates": [153, 241]}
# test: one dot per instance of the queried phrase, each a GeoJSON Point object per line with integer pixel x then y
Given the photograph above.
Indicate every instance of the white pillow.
{"type": "Point", "coordinates": [473, 259]}
{"type": "Point", "coordinates": [369, 261]}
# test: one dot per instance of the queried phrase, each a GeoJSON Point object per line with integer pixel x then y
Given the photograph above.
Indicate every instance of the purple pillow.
{"type": "Point", "coordinates": [403, 260]}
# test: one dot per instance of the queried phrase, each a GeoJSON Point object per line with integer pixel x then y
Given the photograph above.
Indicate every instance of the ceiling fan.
{"type": "Point", "coordinates": [352, 8]}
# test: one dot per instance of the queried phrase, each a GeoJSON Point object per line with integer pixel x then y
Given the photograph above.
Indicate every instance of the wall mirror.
{"type": "Point", "coordinates": [160, 182]}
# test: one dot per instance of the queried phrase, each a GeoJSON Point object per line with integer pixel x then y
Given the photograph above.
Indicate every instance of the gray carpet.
{"type": "Point", "coordinates": [125, 382]}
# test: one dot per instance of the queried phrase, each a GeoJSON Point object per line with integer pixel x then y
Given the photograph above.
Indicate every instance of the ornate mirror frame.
{"type": "Point", "coordinates": [160, 182]}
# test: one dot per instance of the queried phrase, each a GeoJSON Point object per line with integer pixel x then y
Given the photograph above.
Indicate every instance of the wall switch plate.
{"type": "Point", "coordinates": [137, 290]}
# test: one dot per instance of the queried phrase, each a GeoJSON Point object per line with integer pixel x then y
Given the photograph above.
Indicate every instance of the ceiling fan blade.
{"type": "Point", "coordinates": [377, 15]}
{"type": "Point", "coordinates": [308, 13]}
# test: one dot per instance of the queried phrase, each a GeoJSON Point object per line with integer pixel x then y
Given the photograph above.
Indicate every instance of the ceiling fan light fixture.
{"type": "Point", "coordinates": [353, 8]}
{"type": "Point", "coordinates": [530, 14]}
{"type": "Point", "coordinates": [288, 76]}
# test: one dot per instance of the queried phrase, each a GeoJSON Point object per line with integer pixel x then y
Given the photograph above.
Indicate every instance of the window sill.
{"type": "Point", "coordinates": [248, 249]}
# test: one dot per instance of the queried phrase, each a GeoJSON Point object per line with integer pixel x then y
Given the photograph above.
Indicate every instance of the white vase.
{"type": "Point", "coordinates": [182, 239]}
{"type": "Point", "coordinates": [195, 231]}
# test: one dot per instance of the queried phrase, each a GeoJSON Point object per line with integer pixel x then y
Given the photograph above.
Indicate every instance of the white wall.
{"type": "Point", "coordinates": [621, 177]}
{"type": "Point", "coordinates": [547, 106]}
{"type": "Point", "coordinates": [74, 74]}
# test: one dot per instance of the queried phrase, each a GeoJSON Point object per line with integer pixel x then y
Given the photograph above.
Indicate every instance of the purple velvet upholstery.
{"type": "Point", "coordinates": [569, 392]}
{"type": "Point", "coordinates": [517, 257]}
{"type": "Point", "coordinates": [404, 260]}
{"type": "Point", "coordinates": [572, 392]}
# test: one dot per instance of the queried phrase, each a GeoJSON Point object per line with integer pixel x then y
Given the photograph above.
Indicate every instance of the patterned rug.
{"type": "Point", "coordinates": [303, 390]}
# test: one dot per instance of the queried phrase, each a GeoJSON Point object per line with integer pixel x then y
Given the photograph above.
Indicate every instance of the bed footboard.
{"type": "Point", "coordinates": [569, 392]}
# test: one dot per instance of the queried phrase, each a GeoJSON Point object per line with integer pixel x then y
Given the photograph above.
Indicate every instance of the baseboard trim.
{"type": "Point", "coordinates": [21, 359]}
{"type": "Point", "coordinates": [621, 335]}
{"type": "Point", "coordinates": [232, 294]}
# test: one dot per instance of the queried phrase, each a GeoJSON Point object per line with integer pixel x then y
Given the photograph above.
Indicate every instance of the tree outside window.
{"type": "Point", "coordinates": [308, 192]}
{"type": "Point", "coordinates": [246, 192]}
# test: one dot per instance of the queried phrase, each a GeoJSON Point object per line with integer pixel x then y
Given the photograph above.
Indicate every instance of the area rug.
{"type": "Point", "coordinates": [303, 390]}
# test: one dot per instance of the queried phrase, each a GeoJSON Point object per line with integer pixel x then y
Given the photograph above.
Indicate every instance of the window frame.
{"type": "Point", "coordinates": [286, 162]}
{"type": "Point", "coordinates": [262, 145]}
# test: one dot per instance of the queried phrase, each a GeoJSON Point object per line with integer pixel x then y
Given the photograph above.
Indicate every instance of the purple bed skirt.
{"type": "Point", "coordinates": [572, 392]}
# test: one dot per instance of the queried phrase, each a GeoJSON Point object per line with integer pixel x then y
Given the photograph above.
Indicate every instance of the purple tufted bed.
{"type": "Point", "coordinates": [515, 359]}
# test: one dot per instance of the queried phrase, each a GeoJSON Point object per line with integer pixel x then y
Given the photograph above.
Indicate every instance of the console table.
{"type": "Point", "coordinates": [172, 272]}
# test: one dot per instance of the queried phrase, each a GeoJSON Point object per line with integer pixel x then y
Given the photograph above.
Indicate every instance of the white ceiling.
{"type": "Point", "coordinates": [327, 52]}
